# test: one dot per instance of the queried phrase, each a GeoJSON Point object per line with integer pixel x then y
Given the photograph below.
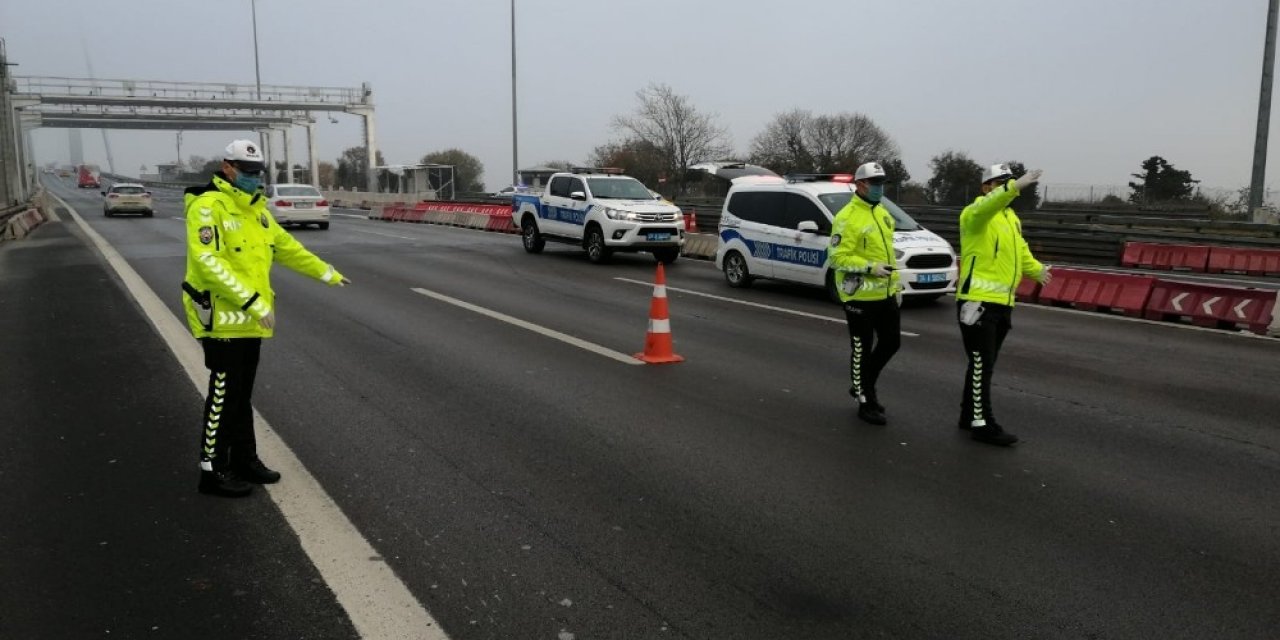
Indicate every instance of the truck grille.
{"type": "Point", "coordinates": [929, 261]}
{"type": "Point", "coordinates": [656, 217]}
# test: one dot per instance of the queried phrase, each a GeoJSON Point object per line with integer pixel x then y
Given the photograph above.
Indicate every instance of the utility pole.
{"type": "Point", "coordinates": [257, 78]}
{"type": "Point", "coordinates": [1258, 184]}
{"type": "Point", "coordinates": [515, 132]}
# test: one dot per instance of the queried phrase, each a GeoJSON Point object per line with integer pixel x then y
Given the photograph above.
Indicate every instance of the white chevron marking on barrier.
{"type": "Point", "coordinates": [1239, 309]}
{"type": "Point", "coordinates": [1177, 301]}
{"type": "Point", "coordinates": [1208, 304]}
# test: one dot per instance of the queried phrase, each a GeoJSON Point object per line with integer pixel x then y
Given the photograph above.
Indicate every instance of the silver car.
{"type": "Point", "coordinates": [127, 198]}
{"type": "Point", "coordinates": [298, 205]}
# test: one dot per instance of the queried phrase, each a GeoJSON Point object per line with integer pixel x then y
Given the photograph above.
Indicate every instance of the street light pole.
{"type": "Point", "coordinates": [515, 131]}
{"type": "Point", "coordinates": [257, 77]}
{"type": "Point", "coordinates": [1256, 185]}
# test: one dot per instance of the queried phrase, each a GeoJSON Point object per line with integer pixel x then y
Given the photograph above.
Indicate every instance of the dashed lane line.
{"type": "Point", "coordinates": [803, 314]}
{"type": "Point", "coordinates": [539, 329]}
{"type": "Point", "coordinates": [379, 605]}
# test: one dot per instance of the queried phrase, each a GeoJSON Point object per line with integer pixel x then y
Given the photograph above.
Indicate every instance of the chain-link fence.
{"type": "Point", "coordinates": [1221, 200]}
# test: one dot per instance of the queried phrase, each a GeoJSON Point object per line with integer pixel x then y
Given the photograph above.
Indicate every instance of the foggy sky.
{"type": "Point", "coordinates": [1085, 89]}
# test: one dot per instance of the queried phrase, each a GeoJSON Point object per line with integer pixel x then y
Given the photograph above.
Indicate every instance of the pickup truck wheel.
{"type": "Point", "coordinates": [667, 256]}
{"type": "Point", "coordinates": [597, 250]}
{"type": "Point", "coordinates": [736, 272]}
{"type": "Point", "coordinates": [531, 237]}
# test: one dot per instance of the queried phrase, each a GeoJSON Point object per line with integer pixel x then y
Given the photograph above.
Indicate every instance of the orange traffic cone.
{"type": "Point", "coordinates": [657, 342]}
{"type": "Point", "coordinates": [693, 221]}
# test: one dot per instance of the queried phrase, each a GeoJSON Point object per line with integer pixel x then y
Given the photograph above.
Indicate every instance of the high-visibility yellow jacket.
{"type": "Point", "coordinates": [231, 242]}
{"type": "Point", "coordinates": [994, 257]}
{"type": "Point", "coordinates": [862, 235]}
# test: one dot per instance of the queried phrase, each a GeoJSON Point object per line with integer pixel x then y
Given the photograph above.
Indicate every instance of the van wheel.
{"type": "Point", "coordinates": [736, 272]}
{"type": "Point", "coordinates": [531, 237]}
{"type": "Point", "coordinates": [597, 251]}
{"type": "Point", "coordinates": [832, 294]}
{"type": "Point", "coordinates": [324, 226]}
{"type": "Point", "coordinates": [667, 256]}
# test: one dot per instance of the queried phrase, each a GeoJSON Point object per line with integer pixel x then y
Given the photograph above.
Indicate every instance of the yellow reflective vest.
{"type": "Point", "coordinates": [994, 257]}
{"type": "Point", "coordinates": [232, 241]}
{"type": "Point", "coordinates": [862, 235]}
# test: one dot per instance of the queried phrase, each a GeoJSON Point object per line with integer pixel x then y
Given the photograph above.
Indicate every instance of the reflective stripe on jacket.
{"type": "Point", "coordinates": [994, 257]}
{"type": "Point", "coordinates": [862, 235]}
{"type": "Point", "coordinates": [232, 241]}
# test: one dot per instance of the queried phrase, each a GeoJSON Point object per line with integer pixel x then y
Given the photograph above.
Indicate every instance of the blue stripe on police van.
{"type": "Point", "coordinates": [779, 252]}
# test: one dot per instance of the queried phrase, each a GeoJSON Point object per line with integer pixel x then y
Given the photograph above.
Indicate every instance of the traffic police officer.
{"type": "Point", "coordinates": [994, 258]}
{"type": "Point", "coordinates": [863, 259]}
{"type": "Point", "coordinates": [232, 241]}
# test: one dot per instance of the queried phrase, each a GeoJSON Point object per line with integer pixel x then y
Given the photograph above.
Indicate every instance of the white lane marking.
{"type": "Point", "coordinates": [379, 604]}
{"type": "Point", "coordinates": [550, 333]}
{"type": "Point", "coordinates": [803, 314]}
{"type": "Point", "coordinates": [385, 235]}
{"type": "Point", "coordinates": [348, 215]}
{"type": "Point", "coordinates": [178, 218]}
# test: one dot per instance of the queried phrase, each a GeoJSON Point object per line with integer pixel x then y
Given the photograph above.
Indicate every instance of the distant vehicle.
{"type": "Point", "coordinates": [602, 211]}
{"type": "Point", "coordinates": [64, 172]}
{"type": "Point", "coordinates": [505, 193]}
{"type": "Point", "coordinates": [88, 177]}
{"type": "Point", "coordinates": [298, 205]}
{"type": "Point", "coordinates": [124, 197]}
{"type": "Point", "coordinates": [780, 228]}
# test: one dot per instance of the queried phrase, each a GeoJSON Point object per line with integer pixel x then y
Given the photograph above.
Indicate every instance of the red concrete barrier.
{"type": "Point", "coordinates": [502, 224]}
{"type": "Point", "coordinates": [1165, 256]}
{"type": "Point", "coordinates": [1212, 306]}
{"type": "Point", "coordinates": [1093, 290]}
{"type": "Point", "coordinates": [1028, 291]}
{"type": "Point", "coordinates": [1254, 262]}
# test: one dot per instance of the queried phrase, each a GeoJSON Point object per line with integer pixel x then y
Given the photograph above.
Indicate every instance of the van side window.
{"type": "Point", "coordinates": [559, 187]}
{"type": "Point", "coordinates": [762, 207]}
{"type": "Point", "coordinates": [800, 208]}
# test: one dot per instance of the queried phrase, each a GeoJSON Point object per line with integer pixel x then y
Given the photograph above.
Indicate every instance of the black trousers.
{"type": "Point", "coordinates": [982, 342]}
{"type": "Point", "coordinates": [227, 437]}
{"type": "Point", "coordinates": [874, 336]}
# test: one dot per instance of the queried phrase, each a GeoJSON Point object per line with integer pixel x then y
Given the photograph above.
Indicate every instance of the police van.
{"type": "Point", "coordinates": [780, 227]}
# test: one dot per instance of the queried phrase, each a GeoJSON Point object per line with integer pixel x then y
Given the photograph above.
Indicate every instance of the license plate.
{"type": "Point", "coordinates": [657, 237]}
{"type": "Point", "coordinates": [931, 277]}
{"type": "Point", "coordinates": [302, 205]}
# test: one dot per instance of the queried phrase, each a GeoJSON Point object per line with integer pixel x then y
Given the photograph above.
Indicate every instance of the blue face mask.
{"type": "Point", "coordinates": [247, 184]}
{"type": "Point", "coordinates": [875, 192]}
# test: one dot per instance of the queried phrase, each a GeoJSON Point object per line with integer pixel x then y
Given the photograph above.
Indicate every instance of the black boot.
{"type": "Point", "coordinates": [871, 412]}
{"type": "Point", "coordinates": [256, 472]}
{"type": "Point", "coordinates": [224, 483]}
{"type": "Point", "coordinates": [992, 433]}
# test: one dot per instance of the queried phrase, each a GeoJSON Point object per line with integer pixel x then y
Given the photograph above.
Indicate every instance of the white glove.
{"type": "Point", "coordinates": [1045, 276]}
{"type": "Point", "coordinates": [879, 270]}
{"type": "Point", "coordinates": [898, 297]}
{"type": "Point", "coordinates": [1029, 178]}
{"type": "Point", "coordinates": [268, 321]}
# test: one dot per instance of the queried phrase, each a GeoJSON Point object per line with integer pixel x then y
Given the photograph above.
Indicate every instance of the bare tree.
{"type": "Point", "coordinates": [799, 142]}
{"type": "Point", "coordinates": [670, 123]}
{"type": "Point", "coordinates": [782, 145]}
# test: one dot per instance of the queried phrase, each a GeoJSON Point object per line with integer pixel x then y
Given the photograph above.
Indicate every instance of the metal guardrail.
{"type": "Point", "coordinates": [12, 210]}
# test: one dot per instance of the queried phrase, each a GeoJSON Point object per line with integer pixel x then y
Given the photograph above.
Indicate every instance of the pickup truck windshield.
{"type": "Point", "coordinates": [618, 189]}
{"type": "Point", "coordinates": [901, 221]}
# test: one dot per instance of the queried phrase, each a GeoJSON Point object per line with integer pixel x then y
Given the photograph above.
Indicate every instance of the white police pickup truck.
{"type": "Point", "coordinates": [601, 210]}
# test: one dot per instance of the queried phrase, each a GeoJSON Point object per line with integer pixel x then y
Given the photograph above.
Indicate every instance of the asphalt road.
{"type": "Point", "coordinates": [522, 487]}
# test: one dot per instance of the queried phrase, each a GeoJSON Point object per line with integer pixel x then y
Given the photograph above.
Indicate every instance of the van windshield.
{"type": "Point", "coordinates": [834, 202]}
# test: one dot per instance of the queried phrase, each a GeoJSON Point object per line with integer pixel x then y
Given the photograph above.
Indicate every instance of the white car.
{"type": "Point", "coordinates": [298, 204]}
{"type": "Point", "coordinates": [780, 228]}
{"type": "Point", "coordinates": [602, 211]}
{"type": "Point", "coordinates": [124, 197]}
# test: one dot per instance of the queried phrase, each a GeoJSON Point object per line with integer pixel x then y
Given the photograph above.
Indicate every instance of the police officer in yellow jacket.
{"type": "Point", "coordinates": [863, 259]}
{"type": "Point", "coordinates": [994, 259]}
{"type": "Point", "coordinates": [232, 240]}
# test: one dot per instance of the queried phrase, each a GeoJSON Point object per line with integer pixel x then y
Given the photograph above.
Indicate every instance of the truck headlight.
{"type": "Point", "coordinates": [898, 253]}
{"type": "Point", "coordinates": [618, 214]}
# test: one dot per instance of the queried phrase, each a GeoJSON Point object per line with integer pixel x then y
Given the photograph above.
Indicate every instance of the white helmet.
{"type": "Point", "coordinates": [868, 171]}
{"type": "Point", "coordinates": [245, 153]}
{"type": "Point", "coordinates": [996, 171]}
